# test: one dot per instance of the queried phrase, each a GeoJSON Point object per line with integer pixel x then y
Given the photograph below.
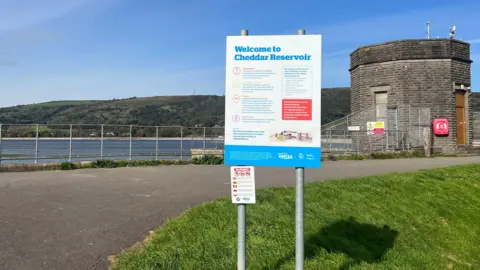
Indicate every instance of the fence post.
{"type": "Point", "coordinates": [36, 145]}
{"type": "Point", "coordinates": [344, 140]}
{"type": "Point", "coordinates": [181, 143]}
{"type": "Point", "coordinates": [370, 142]}
{"type": "Point", "coordinates": [382, 143]}
{"type": "Point", "coordinates": [101, 143]}
{"type": "Point", "coordinates": [70, 144]}
{"type": "Point", "coordinates": [386, 131]}
{"type": "Point", "coordinates": [330, 141]}
{"type": "Point", "coordinates": [156, 143]}
{"type": "Point", "coordinates": [0, 143]}
{"type": "Point", "coordinates": [358, 143]}
{"type": "Point", "coordinates": [130, 146]}
{"type": "Point", "coordinates": [204, 138]}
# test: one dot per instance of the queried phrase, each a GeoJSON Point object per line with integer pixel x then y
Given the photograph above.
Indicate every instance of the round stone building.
{"type": "Point", "coordinates": [407, 84]}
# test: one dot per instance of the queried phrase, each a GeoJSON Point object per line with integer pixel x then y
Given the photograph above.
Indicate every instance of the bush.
{"type": "Point", "coordinates": [121, 164]}
{"type": "Point", "coordinates": [108, 163]}
{"type": "Point", "coordinates": [66, 166]}
{"type": "Point", "coordinates": [208, 160]}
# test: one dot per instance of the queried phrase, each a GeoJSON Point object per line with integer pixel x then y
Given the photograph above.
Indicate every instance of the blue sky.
{"type": "Point", "coordinates": [104, 49]}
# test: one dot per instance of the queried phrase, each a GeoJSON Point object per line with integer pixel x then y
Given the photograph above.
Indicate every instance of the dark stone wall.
{"type": "Point", "coordinates": [420, 77]}
{"type": "Point", "coordinates": [411, 49]}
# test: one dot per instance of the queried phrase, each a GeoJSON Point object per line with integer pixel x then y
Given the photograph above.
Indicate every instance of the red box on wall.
{"type": "Point", "coordinates": [440, 126]}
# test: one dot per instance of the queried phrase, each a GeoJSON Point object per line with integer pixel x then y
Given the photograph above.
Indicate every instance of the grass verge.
{"type": "Point", "coordinates": [421, 220]}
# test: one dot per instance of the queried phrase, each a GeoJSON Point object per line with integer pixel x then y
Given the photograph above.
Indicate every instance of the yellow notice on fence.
{"type": "Point", "coordinates": [375, 128]}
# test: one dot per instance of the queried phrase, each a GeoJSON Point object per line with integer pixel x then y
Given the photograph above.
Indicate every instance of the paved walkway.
{"type": "Point", "coordinates": [74, 220]}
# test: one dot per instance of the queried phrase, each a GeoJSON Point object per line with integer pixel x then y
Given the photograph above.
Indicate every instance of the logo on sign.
{"type": "Point", "coordinates": [236, 98]}
{"type": "Point", "coordinates": [300, 156]}
{"type": "Point", "coordinates": [238, 199]}
{"type": "Point", "coordinates": [237, 70]}
{"type": "Point", "coordinates": [284, 156]}
{"type": "Point", "coordinates": [236, 118]}
{"type": "Point", "coordinates": [246, 199]}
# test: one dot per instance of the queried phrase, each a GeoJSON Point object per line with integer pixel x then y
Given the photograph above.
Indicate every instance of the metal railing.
{"type": "Point", "coordinates": [70, 142]}
{"type": "Point", "coordinates": [57, 143]}
{"type": "Point", "coordinates": [360, 142]}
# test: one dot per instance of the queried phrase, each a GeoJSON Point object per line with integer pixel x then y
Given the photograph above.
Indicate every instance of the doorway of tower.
{"type": "Point", "coordinates": [460, 108]}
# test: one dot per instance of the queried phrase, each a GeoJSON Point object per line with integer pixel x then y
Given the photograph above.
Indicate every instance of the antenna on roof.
{"type": "Point", "coordinates": [453, 28]}
{"type": "Point", "coordinates": [428, 28]}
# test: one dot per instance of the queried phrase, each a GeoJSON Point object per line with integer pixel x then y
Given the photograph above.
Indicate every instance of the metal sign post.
{"type": "Point", "coordinates": [242, 237]}
{"type": "Point", "coordinates": [299, 203]}
{"type": "Point", "coordinates": [272, 117]}
{"type": "Point", "coordinates": [242, 221]}
{"type": "Point", "coordinates": [242, 181]}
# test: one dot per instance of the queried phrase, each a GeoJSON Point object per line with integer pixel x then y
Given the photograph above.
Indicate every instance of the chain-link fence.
{"type": "Point", "coordinates": [361, 142]}
{"type": "Point", "coordinates": [56, 143]}
{"type": "Point", "coordinates": [403, 128]}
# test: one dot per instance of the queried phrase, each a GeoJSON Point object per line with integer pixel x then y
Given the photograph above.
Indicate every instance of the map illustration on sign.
{"type": "Point", "coordinates": [273, 101]}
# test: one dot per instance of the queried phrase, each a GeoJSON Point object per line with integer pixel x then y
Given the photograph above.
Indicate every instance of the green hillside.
{"type": "Point", "coordinates": [157, 111]}
{"type": "Point", "coordinates": [150, 111]}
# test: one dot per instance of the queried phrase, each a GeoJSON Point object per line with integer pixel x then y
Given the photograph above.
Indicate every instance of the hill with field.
{"type": "Point", "coordinates": [206, 110]}
{"type": "Point", "coordinates": [150, 111]}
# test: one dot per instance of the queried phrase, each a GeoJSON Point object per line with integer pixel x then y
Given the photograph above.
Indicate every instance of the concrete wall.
{"type": "Point", "coordinates": [420, 74]}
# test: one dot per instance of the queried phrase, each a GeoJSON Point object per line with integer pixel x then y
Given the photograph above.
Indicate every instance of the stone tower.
{"type": "Point", "coordinates": [408, 83]}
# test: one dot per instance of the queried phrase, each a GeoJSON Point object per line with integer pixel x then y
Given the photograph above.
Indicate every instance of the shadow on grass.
{"type": "Point", "coordinates": [360, 242]}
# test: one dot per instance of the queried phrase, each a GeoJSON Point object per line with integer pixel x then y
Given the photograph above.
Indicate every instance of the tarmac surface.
{"type": "Point", "coordinates": [76, 219]}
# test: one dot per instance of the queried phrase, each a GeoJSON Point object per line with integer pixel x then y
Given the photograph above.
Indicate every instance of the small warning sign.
{"type": "Point", "coordinates": [242, 179]}
{"type": "Point", "coordinates": [375, 128]}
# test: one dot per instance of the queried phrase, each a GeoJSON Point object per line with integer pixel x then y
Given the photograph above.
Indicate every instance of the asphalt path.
{"type": "Point", "coordinates": [76, 219]}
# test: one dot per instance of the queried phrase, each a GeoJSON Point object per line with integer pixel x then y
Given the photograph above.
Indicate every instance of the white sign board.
{"type": "Point", "coordinates": [273, 101]}
{"type": "Point", "coordinates": [354, 128]}
{"type": "Point", "coordinates": [242, 180]}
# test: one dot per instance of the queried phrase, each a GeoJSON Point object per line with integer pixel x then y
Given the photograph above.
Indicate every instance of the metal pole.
{"type": "Point", "coordinates": [409, 127]}
{"type": "Point", "coordinates": [70, 145]}
{"type": "Point", "coordinates": [242, 237]}
{"type": "Point", "coordinates": [330, 140]}
{"type": "Point", "coordinates": [130, 152]}
{"type": "Point", "coordinates": [181, 143]}
{"type": "Point", "coordinates": [242, 221]}
{"type": "Point", "coordinates": [299, 203]}
{"type": "Point", "coordinates": [0, 143]}
{"type": "Point", "coordinates": [36, 146]}
{"type": "Point", "coordinates": [101, 143]}
{"type": "Point", "coordinates": [204, 138]}
{"type": "Point", "coordinates": [396, 123]}
{"type": "Point", "coordinates": [156, 144]}
{"type": "Point", "coordinates": [358, 143]}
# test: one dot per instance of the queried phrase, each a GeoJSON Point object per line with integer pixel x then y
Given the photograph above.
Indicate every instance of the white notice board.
{"type": "Point", "coordinates": [273, 101]}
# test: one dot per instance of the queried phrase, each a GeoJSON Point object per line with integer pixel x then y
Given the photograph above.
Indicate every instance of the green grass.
{"type": "Point", "coordinates": [423, 220]}
{"type": "Point", "coordinates": [61, 103]}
